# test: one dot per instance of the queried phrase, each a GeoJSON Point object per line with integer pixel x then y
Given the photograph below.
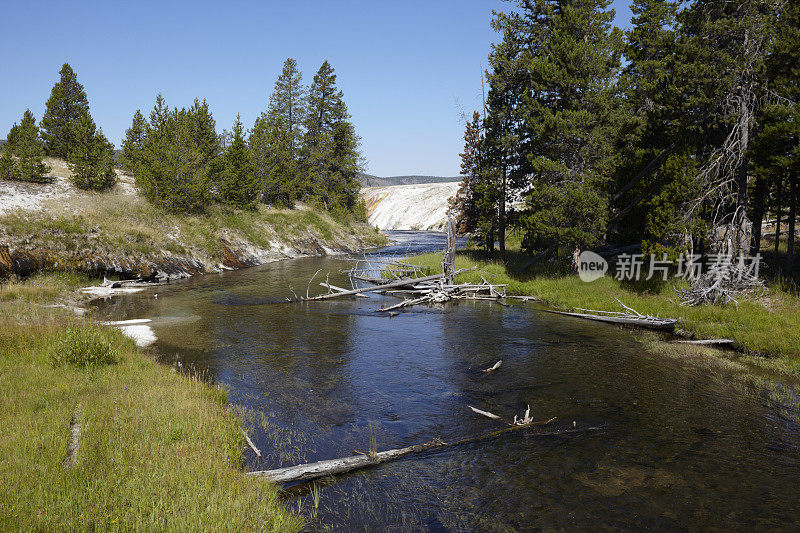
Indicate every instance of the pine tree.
{"type": "Point", "coordinates": [174, 170]}
{"type": "Point", "coordinates": [651, 183]}
{"type": "Point", "coordinates": [506, 165]}
{"type": "Point", "coordinates": [133, 144]}
{"type": "Point", "coordinates": [23, 141]}
{"type": "Point", "coordinates": [239, 185]}
{"type": "Point", "coordinates": [205, 136]}
{"type": "Point", "coordinates": [344, 165]}
{"type": "Point", "coordinates": [719, 70]}
{"type": "Point", "coordinates": [331, 158]}
{"type": "Point", "coordinates": [7, 170]}
{"type": "Point", "coordinates": [776, 148]}
{"type": "Point", "coordinates": [269, 146]}
{"type": "Point", "coordinates": [462, 204]}
{"type": "Point", "coordinates": [475, 203]}
{"type": "Point", "coordinates": [91, 157]}
{"type": "Point", "coordinates": [572, 58]}
{"type": "Point", "coordinates": [67, 104]}
{"type": "Point", "coordinates": [276, 139]}
{"type": "Point", "coordinates": [317, 141]}
{"type": "Point", "coordinates": [288, 103]}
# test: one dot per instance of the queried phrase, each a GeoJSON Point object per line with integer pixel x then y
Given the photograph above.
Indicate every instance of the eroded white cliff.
{"type": "Point", "coordinates": [409, 207]}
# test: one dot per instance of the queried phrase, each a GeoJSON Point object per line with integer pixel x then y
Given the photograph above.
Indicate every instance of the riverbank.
{"type": "Point", "coordinates": [56, 227]}
{"type": "Point", "coordinates": [767, 329]}
{"type": "Point", "coordinates": [156, 450]}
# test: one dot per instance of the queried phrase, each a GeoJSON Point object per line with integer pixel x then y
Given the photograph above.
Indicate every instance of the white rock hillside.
{"type": "Point", "coordinates": [409, 207]}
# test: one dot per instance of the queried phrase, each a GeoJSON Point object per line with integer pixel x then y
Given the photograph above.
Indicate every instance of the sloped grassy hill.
{"type": "Point", "coordinates": [55, 226]}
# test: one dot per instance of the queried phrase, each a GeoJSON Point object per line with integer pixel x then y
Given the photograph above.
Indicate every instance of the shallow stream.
{"type": "Point", "coordinates": [684, 445]}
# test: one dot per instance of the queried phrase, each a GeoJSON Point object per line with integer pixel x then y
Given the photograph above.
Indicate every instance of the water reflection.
{"type": "Point", "coordinates": [684, 445]}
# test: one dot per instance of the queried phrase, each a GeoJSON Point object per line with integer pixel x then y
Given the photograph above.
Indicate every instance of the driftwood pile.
{"type": "Point", "coordinates": [725, 287]}
{"type": "Point", "coordinates": [405, 280]}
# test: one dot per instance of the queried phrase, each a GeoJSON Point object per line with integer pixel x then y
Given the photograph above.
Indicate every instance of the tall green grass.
{"type": "Point", "coordinates": [158, 451]}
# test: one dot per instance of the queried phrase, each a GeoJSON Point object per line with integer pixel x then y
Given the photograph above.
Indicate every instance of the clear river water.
{"type": "Point", "coordinates": [686, 443]}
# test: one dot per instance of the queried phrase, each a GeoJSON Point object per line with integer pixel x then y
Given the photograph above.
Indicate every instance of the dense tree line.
{"type": "Point", "coordinates": [680, 134]}
{"type": "Point", "coordinates": [303, 147]}
{"type": "Point", "coordinates": [67, 131]}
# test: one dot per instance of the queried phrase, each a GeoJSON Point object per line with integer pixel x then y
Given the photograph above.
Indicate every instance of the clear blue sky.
{"type": "Point", "coordinates": [403, 66]}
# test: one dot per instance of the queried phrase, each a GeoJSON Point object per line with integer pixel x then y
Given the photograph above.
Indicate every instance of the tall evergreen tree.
{"type": "Point", "coordinates": [475, 202]}
{"type": "Point", "coordinates": [91, 156]}
{"type": "Point", "coordinates": [288, 103]}
{"type": "Point", "coordinates": [239, 185]}
{"type": "Point", "coordinates": [718, 74]}
{"type": "Point", "coordinates": [174, 170]}
{"type": "Point", "coordinates": [276, 139]}
{"type": "Point", "coordinates": [572, 60]}
{"type": "Point", "coordinates": [331, 157]}
{"type": "Point", "coordinates": [344, 166]}
{"type": "Point", "coordinates": [23, 141]}
{"type": "Point", "coordinates": [269, 148]}
{"type": "Point", "coordinates": [776, 149]}
{"type": "Point", "coordinates": [204, 132]}
{"type": "Point", "coordinates": [651, 183]}
{"type": "Point", "coordinates": [506, 165]}
{"type": "Point", "coordinates": [133, 144]}
{"type": "Point", "coordinates": [67, 104]}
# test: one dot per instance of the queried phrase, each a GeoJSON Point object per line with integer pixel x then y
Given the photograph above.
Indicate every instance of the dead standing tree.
{"type": "Point", "coordinates": [725, 178]}
{"type": "Point", "coordinates": [449, 258]}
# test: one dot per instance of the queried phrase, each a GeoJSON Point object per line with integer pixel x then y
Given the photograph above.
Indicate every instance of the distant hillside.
{"type": "Point", "coordinates": [368, 180]}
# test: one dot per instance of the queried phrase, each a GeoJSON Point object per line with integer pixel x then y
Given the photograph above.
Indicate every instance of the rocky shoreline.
{"type": "Point", "coordinates": [22, 261]}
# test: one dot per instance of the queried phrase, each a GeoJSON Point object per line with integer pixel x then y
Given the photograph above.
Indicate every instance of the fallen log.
{"type": "Point", "coordinates": [398, 283]}
{"type": "Point", "coordinates": [74, 441]}
{"type": "Point", "coordinates": [330, 467]}
{"type": "Point", "coordinates": [339, 289]}
{"type": "Point", "coordinates": [404, 303]}
{"type": "Point", "coordinates": [660, 324]}
{"type": "Point", "coordinates": [340, 466]}
{"type": "Point", "coordinates": [250, 443]}
{"type": "Point", "coordinates": [706, 341]}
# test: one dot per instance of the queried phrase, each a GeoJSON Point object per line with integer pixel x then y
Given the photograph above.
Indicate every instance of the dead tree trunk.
{"type": "Point", "coordinates": [778, 198]}
{"type": "Point", "coordinates": [449, 258]}
{"type": "Point", "coordinates": [501, 218]}
{"type": "Point", "coordinates": [759, 197]}
{"type": "Point", "coordinates": [792, 216]}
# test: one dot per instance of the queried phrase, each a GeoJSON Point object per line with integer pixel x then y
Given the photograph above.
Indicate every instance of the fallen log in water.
{"type": "Point", "coordinates": [398, 283]}
{"type": "Point", "coordinates": [306, 472]}
{"type": "Point", "coordinates": [661, 324]}
{"type": "Point", "coordinates": [339, 289]}
{"type": "Point", "coordinates": [340, 466]}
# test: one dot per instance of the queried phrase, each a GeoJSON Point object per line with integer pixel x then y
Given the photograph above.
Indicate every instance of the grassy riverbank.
{"type": "Point", "coordinates": [768, 327]}
{"type": "Point", "coordinates": [157, 450]}
{"type": "Point", "coordinates": [119, 227]}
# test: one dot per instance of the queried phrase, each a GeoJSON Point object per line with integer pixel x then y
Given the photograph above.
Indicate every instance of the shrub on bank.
{"type": "Point", "coordinates": [85, 346]}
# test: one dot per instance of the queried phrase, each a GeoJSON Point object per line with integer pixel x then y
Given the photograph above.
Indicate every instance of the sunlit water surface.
{"type": "Point", "coordinates": [684, 444]}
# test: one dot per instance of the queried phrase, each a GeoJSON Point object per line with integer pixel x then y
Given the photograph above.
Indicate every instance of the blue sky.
{"type": "Point", "coordinates": [403, 66]}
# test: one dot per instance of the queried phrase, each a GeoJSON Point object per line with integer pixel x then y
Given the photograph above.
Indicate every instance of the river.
{"type": "Point", "coordinates": [685, 443]}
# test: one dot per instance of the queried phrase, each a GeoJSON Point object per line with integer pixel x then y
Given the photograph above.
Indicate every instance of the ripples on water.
{"type": "Point", "coordinates": [685, 445]}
